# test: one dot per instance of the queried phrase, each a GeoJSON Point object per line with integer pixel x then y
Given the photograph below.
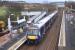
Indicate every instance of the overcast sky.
{"type": "Point", "coordinates": [41, 1]}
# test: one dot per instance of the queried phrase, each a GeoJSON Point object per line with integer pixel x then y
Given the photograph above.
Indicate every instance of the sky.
{"type": "Point", "coordinates": [41, 1]}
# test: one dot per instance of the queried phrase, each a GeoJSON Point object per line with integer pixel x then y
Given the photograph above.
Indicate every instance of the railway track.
{"type": "Point", "coordinates": [51, 40]}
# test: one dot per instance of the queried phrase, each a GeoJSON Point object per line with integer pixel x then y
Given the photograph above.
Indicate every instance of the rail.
{"type": "Point", "coordinates": [14, 43]}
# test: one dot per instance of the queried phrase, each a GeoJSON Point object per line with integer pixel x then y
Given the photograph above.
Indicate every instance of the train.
{"type": "Point", "coordinates": [36, 32]}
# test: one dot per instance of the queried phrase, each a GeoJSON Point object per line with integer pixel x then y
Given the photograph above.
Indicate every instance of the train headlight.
{"type": "Point", "coordinates": [32, 37]}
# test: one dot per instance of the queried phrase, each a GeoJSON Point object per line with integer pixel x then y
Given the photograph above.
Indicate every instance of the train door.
{"type": "Point", "coordinates": [42, 31]}
{"type": "Point", "coordinates": [47, 26]}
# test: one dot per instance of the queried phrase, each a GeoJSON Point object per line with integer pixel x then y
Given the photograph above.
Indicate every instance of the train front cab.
{"type": "Point", "coordinates": [33, 36]}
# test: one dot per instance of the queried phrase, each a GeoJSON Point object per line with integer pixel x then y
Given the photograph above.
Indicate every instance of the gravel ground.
{"type": "Point", "coordinates": [4, 39]}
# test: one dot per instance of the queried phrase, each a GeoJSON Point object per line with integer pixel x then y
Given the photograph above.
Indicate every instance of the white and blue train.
{"type": "Point", "coordinates": [37, 31]}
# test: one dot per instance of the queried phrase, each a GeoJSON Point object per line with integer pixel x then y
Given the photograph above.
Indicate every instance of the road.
{"type": "Point", "coordinates": [51, 40]}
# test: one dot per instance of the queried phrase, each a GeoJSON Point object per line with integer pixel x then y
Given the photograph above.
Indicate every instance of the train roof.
{"type": "Point", "coordinates": [36, 17]}
{"type": "Point", "coordinates": [44, 20]}
{"type": "Point", "coordinates": [40, 16]}
{"type": "Point", "coordinates": [31, 19]}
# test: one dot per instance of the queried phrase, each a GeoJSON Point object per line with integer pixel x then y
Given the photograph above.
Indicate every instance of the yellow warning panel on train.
{"type": "Point", "coordinates": [32, 37]}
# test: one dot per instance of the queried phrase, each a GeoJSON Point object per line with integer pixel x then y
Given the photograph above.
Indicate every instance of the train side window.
{"type": "Point", "coordinates": [39, 33]}
{"type": "Point", "coordinates": [42, 30]}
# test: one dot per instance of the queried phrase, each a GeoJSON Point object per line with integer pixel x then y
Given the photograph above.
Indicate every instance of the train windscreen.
{"type": "Point", "coordinates": [33, 32]}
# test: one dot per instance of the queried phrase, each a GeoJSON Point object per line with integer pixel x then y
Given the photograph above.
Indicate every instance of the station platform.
{"type": "Point", "coordinates": [62, 38]}
{"type": "Point", "coordinates": [14, 43]}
